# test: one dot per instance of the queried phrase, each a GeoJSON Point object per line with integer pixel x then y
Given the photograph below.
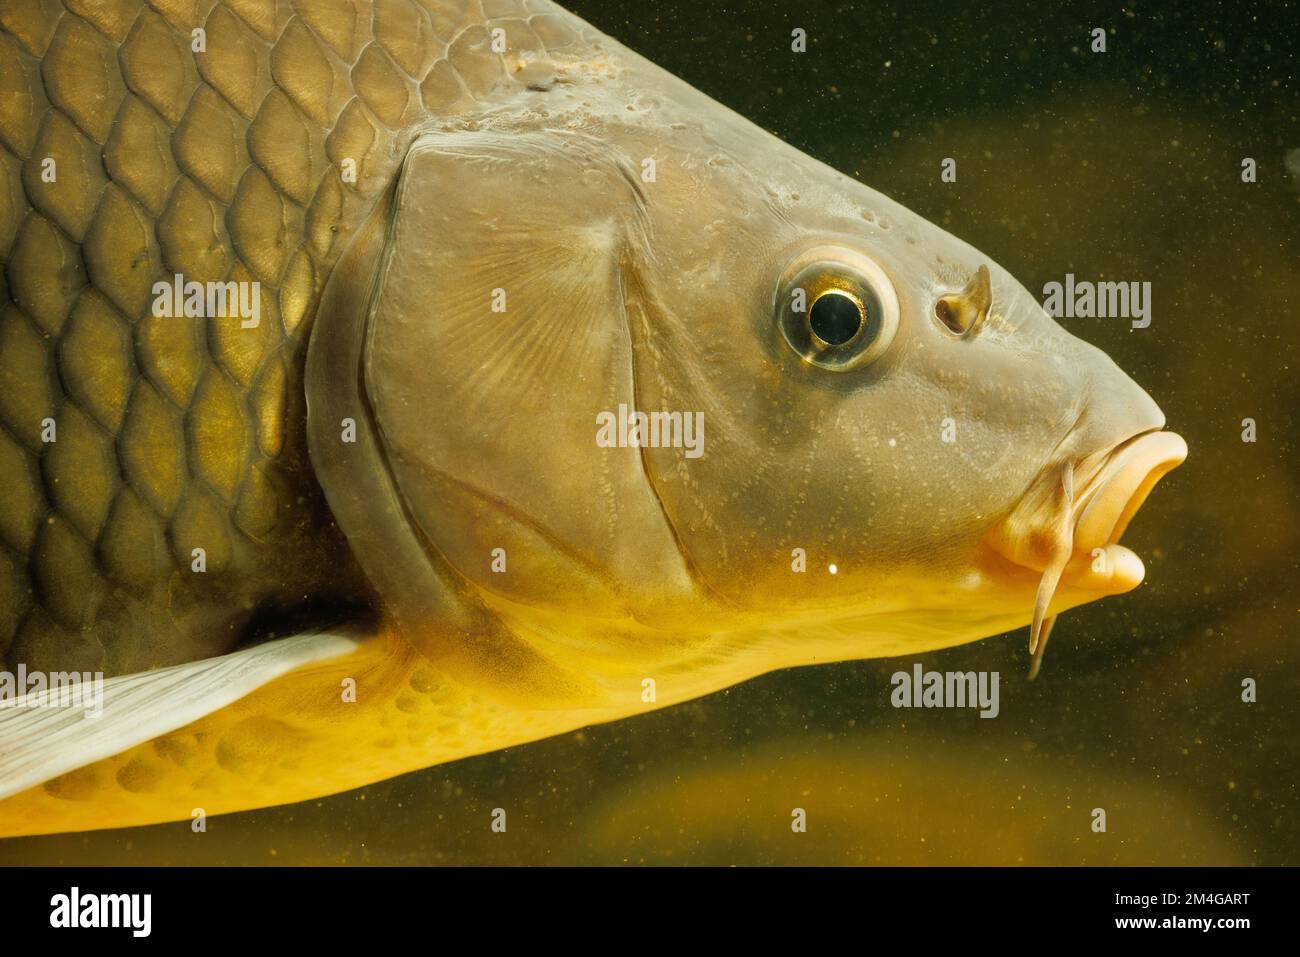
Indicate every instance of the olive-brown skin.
{"type": "Point", "coordinates": [127, 157]}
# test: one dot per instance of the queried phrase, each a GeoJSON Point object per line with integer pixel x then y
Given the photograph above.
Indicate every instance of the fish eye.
{"type": "Point", "coordinates": [836, 317]}
{"type": "Point", "coordinates": [837, 309]}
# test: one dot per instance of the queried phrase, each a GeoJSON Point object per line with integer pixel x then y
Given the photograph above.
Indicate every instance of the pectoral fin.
{"type": "Point", "coordinates": [39, 741]}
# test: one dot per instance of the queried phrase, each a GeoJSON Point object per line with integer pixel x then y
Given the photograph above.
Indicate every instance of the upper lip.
{"type": "Point", "coordinates": [1085, 503]}
{"type": "Point", "coordinates": [1106, 504]}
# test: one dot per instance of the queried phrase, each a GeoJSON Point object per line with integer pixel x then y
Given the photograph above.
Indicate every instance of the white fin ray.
{"type": "Point", "coordinates": [39, 742]}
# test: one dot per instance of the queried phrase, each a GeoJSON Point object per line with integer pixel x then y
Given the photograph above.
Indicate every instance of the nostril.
{"type": "Point", "coordinates": [963, 312]}
{"type": "Point", "coordinates": [947, 313]}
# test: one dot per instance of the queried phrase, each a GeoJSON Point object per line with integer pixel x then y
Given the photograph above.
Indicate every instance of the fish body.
{"type": "Point", "coordinates": [464, 238]}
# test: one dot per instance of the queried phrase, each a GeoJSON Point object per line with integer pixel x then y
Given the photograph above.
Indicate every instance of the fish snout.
{"type": "Point", "coordinates": [1121, 455]}
{"type": "Point", "coordinates": [1065, 531]}
{"type": "Point", "coordinates": [1116, 408]}
{"type": "Point", "coordinates": [1074, 514]}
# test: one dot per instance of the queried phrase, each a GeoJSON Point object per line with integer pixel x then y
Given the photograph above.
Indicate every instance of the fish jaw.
{"type": "Point", "coordinates": [1065, 536]}
{"type": "Point", "coordinates": [1098, 516]}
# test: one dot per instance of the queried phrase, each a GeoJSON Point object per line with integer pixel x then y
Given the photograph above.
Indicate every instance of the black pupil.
{"type": "Point", "coordinates": [835, 318]}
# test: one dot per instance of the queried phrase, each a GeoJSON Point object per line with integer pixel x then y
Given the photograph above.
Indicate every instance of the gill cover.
{"type": "Point", "coordinates": [473, 332]}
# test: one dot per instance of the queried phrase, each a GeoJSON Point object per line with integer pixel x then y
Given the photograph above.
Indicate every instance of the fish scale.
{"type": "Point", "coordinates": [220, 165]}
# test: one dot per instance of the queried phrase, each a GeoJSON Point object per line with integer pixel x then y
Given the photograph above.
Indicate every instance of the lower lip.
{"type": "Point", "coordinates": [1109, 569]}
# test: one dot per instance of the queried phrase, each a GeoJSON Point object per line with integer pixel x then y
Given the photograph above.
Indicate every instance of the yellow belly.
{"type": "Point", "coordinates": [299, 737]}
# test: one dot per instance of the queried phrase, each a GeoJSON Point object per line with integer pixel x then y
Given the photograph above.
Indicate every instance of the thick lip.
{"type": "Point", "coordinates": [1104, 509]}
{"type": "Point", "coordinates": [1108, 489]}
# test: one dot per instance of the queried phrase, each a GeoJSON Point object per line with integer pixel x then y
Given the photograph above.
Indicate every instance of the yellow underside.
{"type": "Point", "coordinates": [294, 739]}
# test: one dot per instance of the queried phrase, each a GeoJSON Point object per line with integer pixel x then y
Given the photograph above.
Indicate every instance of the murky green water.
{"type": "Point", "coordinates": [1124, 166]}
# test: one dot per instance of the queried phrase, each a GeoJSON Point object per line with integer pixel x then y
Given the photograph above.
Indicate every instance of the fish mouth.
{"type": "Point", "coordinates": [1106, 506]}
{"type": "Point", "coordinates": [1067, 529]}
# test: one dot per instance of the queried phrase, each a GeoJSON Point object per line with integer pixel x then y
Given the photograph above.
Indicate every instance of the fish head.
{"type": "Point", "coordinates": [900, 437]}
{"type": "Point", "coordinates": [640, 372]}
